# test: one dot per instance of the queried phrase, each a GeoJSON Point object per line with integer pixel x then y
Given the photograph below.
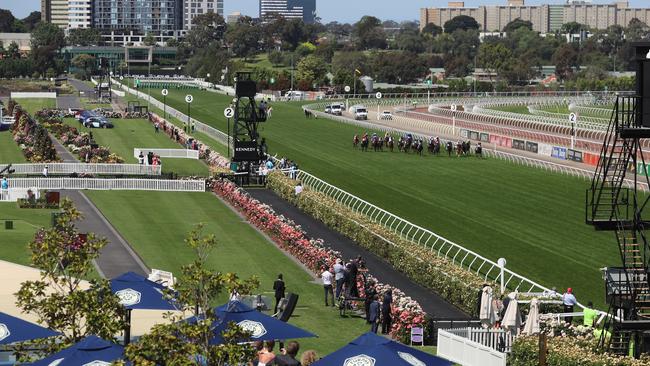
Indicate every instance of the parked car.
{"type": "Point", "coordinates": [328, 109]}
{"type": "Point", "coordinates": [97, 122]}
{"type": "Point", "coordinates": [359, 112]}
{"type": "Point", "coordinates": [386, 115]}
{"type": "Point", "coordinates": [337, 109]}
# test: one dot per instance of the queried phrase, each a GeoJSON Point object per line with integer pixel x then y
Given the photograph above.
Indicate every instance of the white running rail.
{"type": "Point", "coordinates": [81, 168]}
{"type": "Point", "coordinates": [109, 184]}
{"type": "Point", "coordinates": [168, 153]}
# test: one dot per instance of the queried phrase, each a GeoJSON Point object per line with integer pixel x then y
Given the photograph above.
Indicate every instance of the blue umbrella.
{"type": "Point", "coordinates": [13, 329]}
{"type": "Point", "coordinates": [137, 292]}
{"type": "Point", "coordinates": [263, 327]}
{"type": "Point", "coordinates": [91, 350]}
{"type": "Point", "coordinates": [371, 349]}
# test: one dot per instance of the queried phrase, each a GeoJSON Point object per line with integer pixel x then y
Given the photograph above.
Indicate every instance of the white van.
{"type": "Point", "coordinates": [359, 112]}
{"type": "Point", "coordinates": [337, 109]}
{"type": "Point", "coordinates": [295, 95]}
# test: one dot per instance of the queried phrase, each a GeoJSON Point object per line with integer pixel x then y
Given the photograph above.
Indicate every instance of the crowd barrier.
{"type": "Point", "coordinates": [466, 352]}
{"type": "Point", "coordinates": [82, 168]}
{"type": "Point", "coordinates": [109, 184]}
{"type": "Point", "coordinates": [168, 153]}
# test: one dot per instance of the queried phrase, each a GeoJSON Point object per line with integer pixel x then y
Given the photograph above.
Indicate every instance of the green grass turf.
{"type": "Point", "coordinates": [33, 105]}
{"type": "Point", "coordinates": [155, 224]}
{"type": "Point", "coordinates": [533, 218]}
{"type": "Point", "coordinates": [13, 243]}
{"type": "Point", "coordinates": [9, 150]}
{"type": "Point", "coordinates": [139, 133]}
{"type": "Point", "coordinates": [520, 108]}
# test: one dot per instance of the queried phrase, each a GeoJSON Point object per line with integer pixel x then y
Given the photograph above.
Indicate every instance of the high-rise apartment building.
{"type": "Point", "coordinates": [146, 16]}
{"type": "Point", "coordinates": [194, 8]}
{"type": "Point", "coordinates": [55, 12]}
{"type": "Point", "coordinates": [80, 13]}
{"type": "Point", "coordinates": [545, 18]}
{"type": "Point", "coordinates": [290, 9]}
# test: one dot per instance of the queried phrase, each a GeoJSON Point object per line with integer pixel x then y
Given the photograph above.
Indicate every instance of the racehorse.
{"type": "Point", "coordinates": [419, 146]}
{"type": "Point", "coordinates": [355, 141]}
{"type": "Point", "coordinates": [449, 147]}
{"type": "Point", "coordinates": [459, 148]}
{"type": "Point", "coordinates": [431, 146]}
{"type": "Point", "coordinates": [390, 143]}
{"type": "Point", "coordinates": [364, 143]}
{"type": "Point", "coordinates": [375, 143]}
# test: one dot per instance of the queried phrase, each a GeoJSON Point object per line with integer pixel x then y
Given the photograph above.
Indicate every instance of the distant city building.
{"type": "Point", "coordinates": [23, 40]}
{"type": "Point", "coordinates": [80, 13]}
{"type": "Point", "coordinates": [194, 8]}
{"type": "Point", "coordinates": [233, 17]}
{"type": "Point", "coordinates": [545, 18]}
{"type": "Point", "coordinates": [290, 9]}
{"type": "Point", "coordinates": [55, 12]}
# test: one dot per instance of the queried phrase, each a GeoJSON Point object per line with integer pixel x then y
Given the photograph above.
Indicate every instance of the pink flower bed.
{"type": "Point", "coordinates": [314, 254]}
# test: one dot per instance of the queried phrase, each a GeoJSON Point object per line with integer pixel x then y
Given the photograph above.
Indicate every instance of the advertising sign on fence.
{"type": "Point", "coordinates": [519, 144]}
{"type": "Point", "coordinates": [485, 137]}
{"type": "Point", "coordinates": [473, 135]}
{"type": "Point", "coordinates": [591, 159]}
{"type": "Point", "coordinates": [642, 170]}
{"type": "Point", "coordinates": [544, 149]}
{"type": "Point", "coordinates": [531, 146]}
{"type": "Point", "coordinates": [559, 152]}
{"type": "Point", "coordinates": [574, 155]}
{"type": "Point", "coordinates": [464, 133]}
{"type": "Point", "coordinates": [501, 140]}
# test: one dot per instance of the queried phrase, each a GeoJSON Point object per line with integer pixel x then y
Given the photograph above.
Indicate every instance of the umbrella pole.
{"type": "Point", "coordinates": [127, 328]}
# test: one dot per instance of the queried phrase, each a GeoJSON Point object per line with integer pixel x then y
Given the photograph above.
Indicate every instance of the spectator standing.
{"type": "Point", "coordinates": [156, 127]}
{"type": "Point", "coordinates": [339, 276]}
{"type": "Point", "coordinates": [308, 358]}
{"type": "Point", "coordinates": [141, 158]}
{"type": "Point", "coordinates": [4, 189]}
{"type": "Point", "coordinates": [298, 189]}
{"type": "Point", "coordinates": [374, 314]}
{"type": "Point", "coordinates": [569, 301]}
{"type": "Point", "coordinates": [327, 284]}
{"type": "Point", "coordinates": [590, 315]}
{"type": "Point", "coordinates": [266, 356]}
{"type": "Point", "coordinates": [278, 287]}
{"type": "Point", "coordinates": [370, 294]}
{"type": "Point", "coordinates": [386, 306]}
{"type": "Point", "coordinates": [288, 356]}
{"type": "Point", "coordinates": [354, 271]}
{"type": "Point", "coordinates": [269, 112]}
{"type": "Point", "coordinates": [45, 171]}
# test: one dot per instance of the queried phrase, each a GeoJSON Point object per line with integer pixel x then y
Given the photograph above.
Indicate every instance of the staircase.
{"type": "Point", "coordinates": [613, 204]}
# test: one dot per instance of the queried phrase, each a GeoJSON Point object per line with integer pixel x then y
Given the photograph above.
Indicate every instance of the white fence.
{"type": "Point", "coordinates": [168, 153]}
{"type": "Point", "coordinates": [13, 194]}
{"type": "Point", "coordinates": [28, 95]}
{"type": "Point", "coordinates": [466, 352]}
{"type": "Point", "coordinates": [109, 184]}
{"type": "Point", "coordinates": [81, 168]}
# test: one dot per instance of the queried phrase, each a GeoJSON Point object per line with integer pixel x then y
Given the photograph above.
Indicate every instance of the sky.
{"type": "Point", "coordinates": [344, 11]}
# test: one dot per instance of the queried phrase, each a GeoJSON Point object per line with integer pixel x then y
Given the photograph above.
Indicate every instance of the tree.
{"type": "Point", "coordinates": [47, 40]}
{"type": "Point", "coordinates": [84, 62]}
{"type": "Point", "coordinates": [398, 67]}
{"type": "Point", "coordinates": [494, 57]}
{"type": "Point", "coordinates": [565, 59]}
{"type": "Point", "coordinates": [432, 30]}
{"type": "Point", "coordinates": [243, 39]}
{"type": "Point", "coordinates": [276, 58]}
{"type": "Point", "coordinates": [409, 40]}
{"type": "Point", "coordinates": [293, 33]}
{"type": "Point", "coordinates": [6, 21]}
{"type": "Point", "coordinates": [344, 65]}
{"type": "Point", "coordinates": [149, 40]}
{"type": "Point", "coordinates": [59, 299]}
{"type": "Point", "coordinates": [461, 22]}
{"type": "Point", "coordinates": [32, 20]}
{"type": "Point", "coordinates": [312, 69]}
{"type": "Point", "coordinates": [13, 51]}
{"type": "Point", "coordinates": [516, 24]}
{"type": "Point", "coordinates": [573, 27]}
{"type": "Point", "coordinates": [84, 37]}
{"type": "Point", "coordinates": [185, 343]}
{"type": "Point", "coordinates": [369, 33]}
{"type": "Point", "coordinates": [208, 28]}
{"type": "Point", "coordinates": [304, 49]}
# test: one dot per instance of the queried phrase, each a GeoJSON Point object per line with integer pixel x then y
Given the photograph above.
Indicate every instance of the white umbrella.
{"type": "Point", "coordinates": [486, 314]}
{"type": "Point", "coordinates": [512, 318]}
{"type": "Point", "coordinates": [532, 322]}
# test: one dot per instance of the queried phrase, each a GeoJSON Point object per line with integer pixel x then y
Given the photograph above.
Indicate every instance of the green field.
{"type": "Point", "coordinates": [533, 218]}
{"type": "Point", "coordinates": [13, 243]}
{"type": "Point", "coordinates": [155, 224]}
{"type": "Point", "coordinates": [139, 133]}
{"type": "Point", "coordinates": [9, 151]}
{"type": "Point", "coordinates": [36, 104]}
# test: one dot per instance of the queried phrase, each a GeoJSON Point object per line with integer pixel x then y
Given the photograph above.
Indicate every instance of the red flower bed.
{"type": "Point", "coordinates": [313, 253]}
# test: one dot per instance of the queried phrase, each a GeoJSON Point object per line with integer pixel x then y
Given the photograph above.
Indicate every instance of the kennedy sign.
{"type": "Point", "coordinates": [246, 151]}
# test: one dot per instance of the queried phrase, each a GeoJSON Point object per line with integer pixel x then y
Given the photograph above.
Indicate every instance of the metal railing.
{"type": "Point", "coordinates": [168, 153]}
{"type": "Point", "coordinates": [82, 168]}
{"type": "Point", "coordinates": [497, 339]}
{"type": "Point", "coordinates": [464, 351]}
{"type": "Point", "coordinates": [109, 184]}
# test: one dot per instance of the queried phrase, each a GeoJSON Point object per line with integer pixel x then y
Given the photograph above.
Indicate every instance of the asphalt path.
{"type": "Point", "coordinates": [432, 303]}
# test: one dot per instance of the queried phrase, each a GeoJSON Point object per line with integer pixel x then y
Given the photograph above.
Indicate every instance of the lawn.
{"type": "Point", "coordinates": [517, 108]}
{"type": "Point", "coordinates": [533, 218]}
{"type": "Point", "coordinates": [33, 105]}
{"type": "Point", "coordinates": [139, 133]}
{"type": "Point", "coordinates": [156, 223]}
{"type": "Point", "coordinates": [13, 246]}
{"type": "Point", "coordinates": [9, 151]}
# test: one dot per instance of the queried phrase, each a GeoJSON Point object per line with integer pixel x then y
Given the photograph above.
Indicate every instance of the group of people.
{"type": "Point", "coordinates": [287, 356]}
{"type": "Point", "coordinates": [408, 143]}
{"type": "Point", "coordinates": [342, 281]}
{"type": "Point", "coordinates": [149, 159]}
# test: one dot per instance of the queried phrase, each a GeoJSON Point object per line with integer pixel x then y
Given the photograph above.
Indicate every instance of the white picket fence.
{"type": "Point", "coordinates": [13, 194]}
{"type": "Point", "coordinates": [109, 184]}
{"type": "Point", "coordinates": [168, 153]}
{"type": "Point", "coordinates": [464, 351]}
{"type": "Point", "coordinates": [82, 168]}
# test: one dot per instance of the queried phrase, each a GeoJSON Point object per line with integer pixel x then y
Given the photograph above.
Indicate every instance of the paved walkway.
{"type": "Point", "coordinates": [117, 257]}
{"type": "Point", "coordinates": [431, 302]}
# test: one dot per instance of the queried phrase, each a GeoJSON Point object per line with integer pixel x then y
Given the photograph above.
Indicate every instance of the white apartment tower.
{"type": "Point", "coordinates": [194, 8]}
